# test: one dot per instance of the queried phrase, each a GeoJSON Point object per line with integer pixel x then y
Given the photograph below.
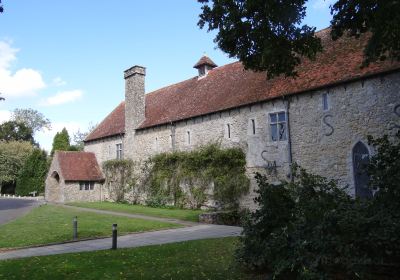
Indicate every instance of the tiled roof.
{"type": "Point", "coordinates": [79, 166]}
{"type": "Point", "coordinates": [113, 124]}
{"type": "Point", "coordinates": [205, 60]}
{"type": "Point", "coordinates": [231, 86]}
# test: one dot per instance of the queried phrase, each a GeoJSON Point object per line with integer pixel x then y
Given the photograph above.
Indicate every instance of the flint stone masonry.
{"type": "Point", "coordinates": [321, 140]}
{"type": "Point", "coordinates": [134, 105]}
{"type": "Point", "coordinates": [104, 149]}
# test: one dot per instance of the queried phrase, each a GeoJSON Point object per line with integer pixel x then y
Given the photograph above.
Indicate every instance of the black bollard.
{"type": "Point", "coordinates": [114, 237]}
{"type": "Point", "coordinates": [75, 228]}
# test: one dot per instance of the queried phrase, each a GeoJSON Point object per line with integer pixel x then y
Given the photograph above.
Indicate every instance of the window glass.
{"type": "Point", "coordinates": [274, 132]}
{"type": "Point", "coordinates": [81, 186]}
{"type": "Point", "coordinates": [282, 117]}
{"type": "Point", "coordinates": [253, 125]}
{"type": "Point", "coordinates": [278, 126]}
{"type": "Point", "coordinates": [325, 103]}
{"type": "Point", "coordinates": [91, 185]}
{"type": "Point", "coordinates": [86, 186]}
{"type": "Point", "coordinates": [282, 131]}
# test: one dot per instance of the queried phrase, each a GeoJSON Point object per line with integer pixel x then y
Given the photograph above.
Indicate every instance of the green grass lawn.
{"type": "Point", "coordinates": [201, 259]}
{"type": "Point", "coordinates": [47, 224]}
{"type": "Point", "coordinates": [181, 214]}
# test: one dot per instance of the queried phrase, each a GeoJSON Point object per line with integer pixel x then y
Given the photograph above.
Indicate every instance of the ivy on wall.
{"type": "Point", "coordinates": [119, 177]}
{"type": "Point", "coordinates": [187, 179]}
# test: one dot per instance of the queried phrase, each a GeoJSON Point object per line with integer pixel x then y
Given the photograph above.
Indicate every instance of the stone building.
{"type": "Point", "coordinates": [74, 176]}
{"type": "Point", "coordinates": [319, 119]}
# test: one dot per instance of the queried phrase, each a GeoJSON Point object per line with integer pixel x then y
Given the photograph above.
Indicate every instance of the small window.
{"type": "Point", "coordinates": [119, 151]}
{"type": "Point", "coordinates": [91, 187]}
{"type": "Point", "coordinates": [278, 126]}
{"type": "Point", "coordinates": [325, 102]}
{"type": "Point", "coordinates": [86, 186]}
{"type": "Point", "coordinates": [81, 186]}
{"type": "Point", "coordinates": [253, 126]}
{"type": "Point", "coordinates": [188, 137]}
{"type": "Point", "coordinates": [228, 127]}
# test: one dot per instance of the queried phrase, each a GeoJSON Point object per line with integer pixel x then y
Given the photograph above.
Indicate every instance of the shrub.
{"type": "Point", "coordinates": [33, 174]}
{"type": "Point", "coordinates": [119, 177]}
{"type": "Point", "coordinates": [312, 229]}
{"type": "Point", "coordinates": [183, 178]}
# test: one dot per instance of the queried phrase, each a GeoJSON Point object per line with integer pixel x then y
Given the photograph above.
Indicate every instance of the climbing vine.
{"type": "Point", "coordinates": [188, 179]}
{"type": "Point", "coordinates": [119, 177]}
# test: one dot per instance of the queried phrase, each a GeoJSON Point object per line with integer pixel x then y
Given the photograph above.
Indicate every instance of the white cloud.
{"type": "Point", "coordinates": [62, 98]}
{"type": "Point", "coordinates": [322, 4]}
{"type": "Point", "coordinates": [45, 137]}
{"type": "Point", "coordinates": [58, 82]}
{"type": "Point", "coordinates": [4, 116]}
{"type": "Point", "coordinates": [24, 82]}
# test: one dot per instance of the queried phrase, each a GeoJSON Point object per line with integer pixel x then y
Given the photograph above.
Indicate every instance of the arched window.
{"type": "Point", "coordinates": [361, 178]}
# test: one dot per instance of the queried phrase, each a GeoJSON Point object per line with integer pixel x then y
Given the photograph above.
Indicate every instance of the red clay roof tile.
{"type": "Point", "coordinates": [205, 60]}
{"type": "Point", "coordinates": [230, 86]}
{"type": "Point", "coordinates": [79, 166]}
{"type": "Point", "coordinates": [113, 124]}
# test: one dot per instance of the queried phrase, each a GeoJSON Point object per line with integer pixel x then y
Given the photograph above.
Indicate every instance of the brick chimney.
{"type": "Point", "coordinates": [134, 106]}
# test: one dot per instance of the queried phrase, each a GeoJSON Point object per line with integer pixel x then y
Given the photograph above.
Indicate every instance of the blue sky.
{"type": "Point", "coordinates": [66, 58]}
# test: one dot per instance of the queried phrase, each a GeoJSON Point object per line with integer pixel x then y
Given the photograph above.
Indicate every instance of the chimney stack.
{"type": "Point", "coordinates": [134, 97]}
{"type": "Point", "coordinates": [134, 106]}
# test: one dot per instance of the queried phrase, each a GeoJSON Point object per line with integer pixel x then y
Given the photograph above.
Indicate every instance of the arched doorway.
{"type": "Point", "coordinates": [361, 178]}
{"type": "Point", "coordinates": [53, 188]}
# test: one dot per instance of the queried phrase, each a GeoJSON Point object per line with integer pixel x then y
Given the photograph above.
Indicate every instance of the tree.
{"type": "Point", "coordinates": [61, 141]}
{"type": "Point", "coordinates": [15, 131]}
{"type": "Point", "coordinates": [1, 10]}
{"type": "Point", "coordinates": [31, 118]}
{"type": "Point", "coordinates": [13, 155]}
{"type": "Point", "coordinates": [80, 136]}
{"type": "Point", "coordinates": [33, 174]}
{"type": "Point", "coordinates": [267, 35]}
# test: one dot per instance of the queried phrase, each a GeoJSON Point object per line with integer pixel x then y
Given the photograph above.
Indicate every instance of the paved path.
{"type": "Point", "coordinates": [200, 231]}
{"type": "Point", "coordinates": [138, 216]}
{"type": "Point", "coordinates": [12, 208]}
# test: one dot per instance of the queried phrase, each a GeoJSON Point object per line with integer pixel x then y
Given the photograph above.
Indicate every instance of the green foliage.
{"type": "Point", "coordinates": [268, 35]}
{"type": "Point", "coordinates": [312, 229]}
{"type": "Point", "coordinates": [380, 18]}
{"type": "Point", "coordinates": [13, 156]}
{"type": "Point", "coordinates": [33, 174]}
{"type": "Point", "coordinates": [33, 119]}
{"type": "Point", "coordinates": [15, 131]}
{"type": "Point", "coordinates": [210, 259]}
{"type": "Point", "coordinates": [61, 141]}
{"type": "Point", "coordinates": [183, 178]}
{"type": "Point", "coordinates": [119, 177]}
{"type": "Point", "coordinates": [50, 224]}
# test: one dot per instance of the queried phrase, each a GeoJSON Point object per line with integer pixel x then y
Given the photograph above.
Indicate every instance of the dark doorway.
{"type": "Point", "coordinates": [361, 178]}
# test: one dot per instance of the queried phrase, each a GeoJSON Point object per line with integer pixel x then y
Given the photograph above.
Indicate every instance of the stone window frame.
{"type": "Point", "coordinates": [188, 138]}
{"type": "Point", "coordinates": [253, 126]}
{"type": "Point", "coordinates": [326, 106]}
{"type": "Point", "coordinates": [276, 123]}
{"type": "Point", "coordinates": [86, 185]}
{"type": "Point", "coordinates": [119, 151]}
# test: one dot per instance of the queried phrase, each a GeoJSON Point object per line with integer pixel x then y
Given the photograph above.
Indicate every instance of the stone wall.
{"type": "Point", "coordinates": [104, 149]}
{"type": "Point", "coordinates": [73, 193]}
{"type": "Point", "coordinates": [322, 140]}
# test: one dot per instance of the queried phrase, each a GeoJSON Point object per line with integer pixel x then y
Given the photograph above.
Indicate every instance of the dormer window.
{"type": "Point", "coordinates": [204, 65]}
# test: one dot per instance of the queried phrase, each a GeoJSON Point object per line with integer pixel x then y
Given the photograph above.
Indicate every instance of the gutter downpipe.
{"type": "Point", "coordinates": [290, 157]}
